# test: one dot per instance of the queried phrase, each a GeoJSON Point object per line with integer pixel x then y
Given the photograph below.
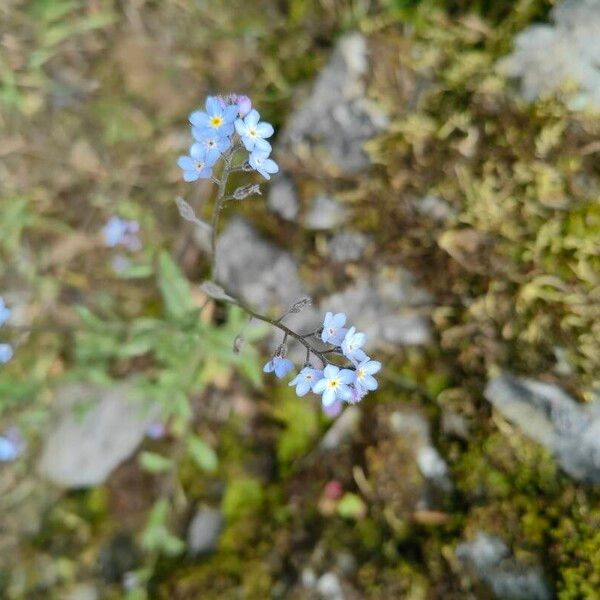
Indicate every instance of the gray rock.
{"type": "Point", "coordinates": [333, 124]}
{"type": "Point", "coordinates": [432, 466]}
{"type": "Point", "coordinates": [347, 246]}
{"type": "Point", "coordinates": [342, 429]}
{"type": "Point", "coordinates": [547, 56]}
{"type": "Point", "coordinates": [388, 307]}
{"type": "Point", "coordinates": [324, 213]}
{"type": "Point", "coordinates": [203, 531]}
{"type": "Point", "coordinates": [255, 270]}
{"type": "Point", "coordinates": [98, 428]}
{"type": "Point", "coordinates": [283, 198]}
{"type": "Point", "coordinates": [552, 418]}
{"type": "Point", "coordinates": [436, 208]}
{"type": "Point", "coordinates": [489, 560]}
{"type": "Point", "coordinates": [329, 587]}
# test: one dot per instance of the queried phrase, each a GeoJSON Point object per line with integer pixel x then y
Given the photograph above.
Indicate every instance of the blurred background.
{"type": "Point", "coordinates": [439, 182]}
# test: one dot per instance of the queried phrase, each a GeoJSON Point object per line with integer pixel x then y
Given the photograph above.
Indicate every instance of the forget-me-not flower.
{"type": "Point", "coordinates": [6, 353]}
{"type": "Point", "coordinates": [364, 375]}
{"type": "Point", "coordinates": [5, 312]}
{"type": "Point", "coordinates": [352, 345]}
{"type": "Point", "coordinates": [335, 384]}
{"type": "Point", "coordinates": [211, 144]}
{"type": "Point", "coordinates": [216, 118]}
{"type": "Point", "coordinates": [305, 380]}
{"type": "Point", "coordinates": [252, 132]}
{"type": "Point", "coordinates": [281, 366]}
{"type": "Point", "coordinates": [11, 445]}
{"type": "Point", "coordinates": [196, 165]}
{"type": "Point", "coordinates": [333, 328]}
{"type": "Point", "coordinates": [118, 232]}
{"type": "Point", "coordinates": [261, 162]}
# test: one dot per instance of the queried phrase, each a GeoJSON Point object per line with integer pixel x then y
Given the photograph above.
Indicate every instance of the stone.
{"type": "Point", "coordinates": [324, 213]}
{"type": "Point", "coordinates": [388, 307]}
{"type": "Point", "coordinates": [549, 416]}
{"type": "Point", "coordinates": [336, 120]}
{"type": "Point", "coordinates": [283, 198]}
{"type": "Point", "coordinates": [488, 559]}
{"type": "Point", "coordinates": [329, 587]}
{"type": "Point", "coordinates": [255, 270]}
{"type": "Point", "coordinates": [98, 428]}
{"type": "Point", "coordinates": [347, 246]}
{"type": "Point", "coordinates": [204, 530]}
{"type": "Point", "coordinates": [413, 425]}
{"type": "Point", "coordinates": [342, 429]}
{"type": "Point", "coordinates": [547, 56]}
{"type": "Point", "coordinates": [436, 208]}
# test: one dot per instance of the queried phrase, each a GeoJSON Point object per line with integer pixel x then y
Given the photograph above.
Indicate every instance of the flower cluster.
{"type": "Point", "coordinates": [6, 351]}
{"type": "Point", "coordinates": [226, 124]}
{"type": "Point", "coordinates": [334, 384]}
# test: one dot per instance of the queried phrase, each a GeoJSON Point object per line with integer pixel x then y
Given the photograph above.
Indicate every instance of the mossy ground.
{"type": "Point", "coordinates": [95, 97]}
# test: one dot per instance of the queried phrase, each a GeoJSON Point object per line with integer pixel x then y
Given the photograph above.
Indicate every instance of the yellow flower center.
{"type": "Point", "coordinates": [333, 383]}
{"type": "Point", "coordinates": [216, 121]}
{"type": "Point", "coordinates": [252, 132]}
{"type": "Point", "coordinates": [360, 374]}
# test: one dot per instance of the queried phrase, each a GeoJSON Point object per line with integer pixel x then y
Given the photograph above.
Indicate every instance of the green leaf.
{"type": "Point", "coordinates": [204, 456]}
{"type": "Point", "coordinates": [174, 287]}
{"type": "Point", "coordinates": [351, 506]}
{"type": "Point", "coordinates": [154, 463]}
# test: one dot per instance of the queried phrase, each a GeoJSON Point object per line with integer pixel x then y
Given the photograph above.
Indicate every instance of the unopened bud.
{"type": "Point", "coordinates": [246, 190]}
{"type": "Point", "coordinates": [300, 305]}
{"type": "Point", "coordinates": [238, 343]}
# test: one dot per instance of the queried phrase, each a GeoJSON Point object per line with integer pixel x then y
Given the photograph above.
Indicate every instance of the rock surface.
{"type": "Point", "coordinates": [347, 246]}
{"type": "Point", "coordinates": [255, 270]}
{"type": "Point", "coordinates": [488, 559]}
{"type": "Point", "coordinates": [333, 124]}
{"type": "Point", "coordinates": [97, 430]}
{"type": "Point", "coordinates": [324, 213]}
{"type": "Point", "coordinates": [388, 307]}
{"type": "Point", "coordinates": [283, 198]}
{"type": "Point", "coordinates": [552, 418]}
{"type": "Point", "coordinates": [547, 56]}
{"type": "Point", "coordinates": [203, 531]}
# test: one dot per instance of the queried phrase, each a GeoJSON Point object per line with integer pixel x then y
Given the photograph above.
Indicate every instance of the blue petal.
{"type": "Point", "coordinates": [190, 176]}
{"type": "Point", "coordinates": [199, 119]}
{"type": "Point", "coordinates": [320, 386]}
{"type": "Point", "coordinates": [264, 130]}
{"type": "Point", "coordinates": [252, 118]}
{"type": "Point", "coordinates": [328, 397]}
{"type": "Point", "coordinates": [213, 107]}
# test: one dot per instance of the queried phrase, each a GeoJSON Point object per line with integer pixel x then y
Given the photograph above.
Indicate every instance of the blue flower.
{"type": "Point", "coordinates": [335, 385]}
{"type": "Point", "coordinates": [352, 343]}
{"type": "Point", "coordinates": [364, 375]}
{"type": "Point", "coordinates": [305, 380]}
{"type": "Point", "coordinates": [6, 353]}
{"type": "Point", "coordinates": [281, 366]}
{"type": "Point", "coordinates": [253, 133]}
{"type": "Point", "coordinates": [11, 445]}
{"type": "Point", "coordinates": [210, 143]}
{"type": "Point", "coordinates": [196, 165]}
{"type": "Point", "coordinates": [261, 162]}
{"type": "Point", "coordinates": [119, 232]}
{"type": "Point", "coordinates": [216, 119]}
{"type": "Point", "coordinates": [4, 312]}
{"type": "Point", "coordinates": [333, 332]}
